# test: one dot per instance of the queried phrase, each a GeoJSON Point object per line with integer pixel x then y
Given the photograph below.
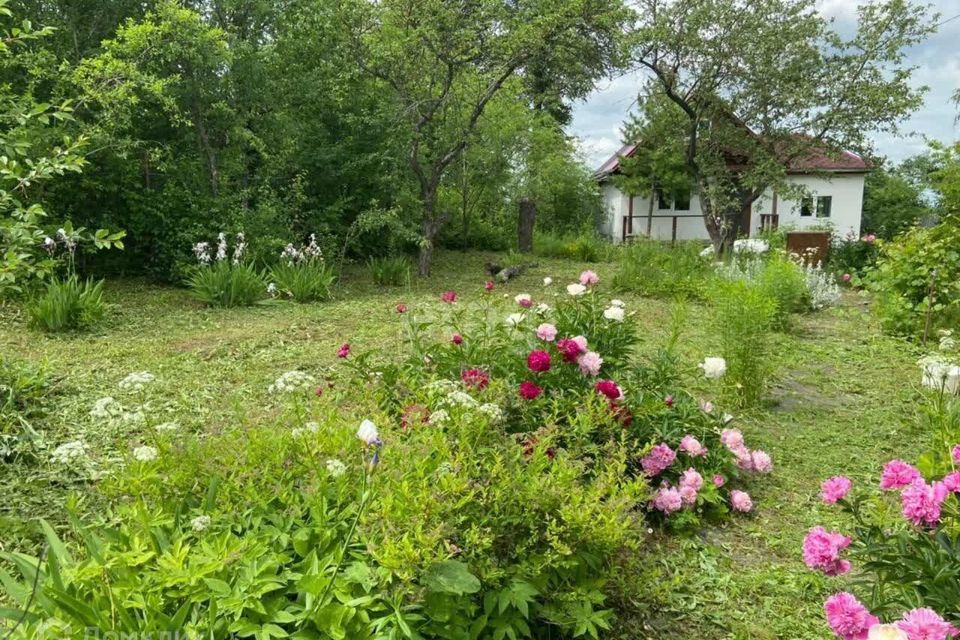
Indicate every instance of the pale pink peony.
{"type": "Point", "coordinates": [692, 446]}
{"type": "Point", "coordinates": [847, 617]}
{"type": "Point", "coordinates": [740, 501]}
{"type": "Point", "coordinates": [926, 624]}
{"type": "Point", "coordinates": [590, 363]}
{"type": "Point", "coordinates": [668, 500]}
{"type": "Point", "coordinates": [659, 458]}
{"type": "Point", "coordinates": [732, 438]}
{"type": "Point", "coordinates": [691, 478]}
{"type": "Point", "coordinates": [761, 461]}
{"type": "Point", "coordinates": [719, 481]}
{"type": "Point", "coordinates": [547, 332]}
{"type": "Point", "coordinates": [834, 489]}
{"type": "Point", "coordinates": [744, 458]}
{"type": "Point", "coordinates": [589, 277]}
{"type": "Point", "coordinates": [898, 474]}
{"type": "Point", "coordinates": [821, 550]}
{"type": "Point", "coordinates": [688, 494]}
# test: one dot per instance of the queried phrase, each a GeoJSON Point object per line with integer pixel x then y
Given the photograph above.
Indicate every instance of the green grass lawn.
{"type": "Point", "coordinates": [842, 402]}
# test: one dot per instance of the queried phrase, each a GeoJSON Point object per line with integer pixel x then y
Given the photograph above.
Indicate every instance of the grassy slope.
{"type": "Point", "coordinates": [843, 398]}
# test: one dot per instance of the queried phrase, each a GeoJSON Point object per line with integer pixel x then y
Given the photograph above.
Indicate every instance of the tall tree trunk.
{"type": "Point", "coordinates": [429, 229]}
{"type": "Point", "coordinates": [528, 213]}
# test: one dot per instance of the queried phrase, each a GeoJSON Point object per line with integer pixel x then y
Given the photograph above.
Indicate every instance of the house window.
{"type": "Point", "coordinates": [681, 200]}
{"type": "Point", "coordinates": [663, 202]}
{"type": "Point", "coordinates": [821, 205]}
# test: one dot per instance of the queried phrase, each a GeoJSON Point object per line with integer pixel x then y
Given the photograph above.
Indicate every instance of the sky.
{"type": "Point", "coordinates": [598, 118]}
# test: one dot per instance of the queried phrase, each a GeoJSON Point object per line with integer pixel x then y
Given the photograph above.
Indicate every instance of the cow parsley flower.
{"type": "Point", "coordinates": [492, 411]}
{"type": "Point", "coordinates": [145, 453]}
{"type": "Point", "coordinates": [167, 427]}
{"type": "Point", "coordinates": [105, 407]}
{"type": "Point", "coordinates": [439, 417]}
{"type": "Point", "coordinates": [292, 381]}
{"type": "Point", "coordinates": [137, 381]}
{"type": "Point", "coordinates": [69, 452]}
{"type": "Point", "coordinates": [336, 468]}
{"type": "Point", "coordinates": [200, 523]}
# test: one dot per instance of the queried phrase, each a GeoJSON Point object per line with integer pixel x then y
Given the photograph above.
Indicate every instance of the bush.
{"type": "Point", "coordinates": [743, 315]}
{"type": "Point", "coordinates": [918, 277]}
{"type": "Point", "coordinates": [656, 269]}
{"type": "Point", "coordinates": [586, 246]}
{"type": "Point", "coordinates": [302, 274]}
{"type": "Point", "coordinates": [224, 284]}
{"type": "Point", "coordinates": [390, 271]}
{"type": "Point", "coordinates": [852, 258]}
{"type": "Point", "coordinates": [67, 305]}
{"type": "Point", "coordinates": [783, 281]}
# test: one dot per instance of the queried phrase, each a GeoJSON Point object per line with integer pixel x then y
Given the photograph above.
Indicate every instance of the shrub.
{"type": "Point", "coordinates": [391, 271]}
{"type": "Point", "coordinates": [24, 388]}
{"type": "Point", "coordinates": [222, 281]}
{"type": "Point", "coordinates": [67, 305]}
{"type": "Point", "coordinates": [657, 269]}
{"type": "Point", "coordinates": [852, 258]}
{"type": "Point", "coordinates": [742, 318]}
{"type": "Point", "coordinates": [917, 280]}
{"type": "Point", "coordinates": [784, 282]}
{"type": "Point", "coordinates": [302, 273]}
{"type": "Point", "coordinates": [586, 246]}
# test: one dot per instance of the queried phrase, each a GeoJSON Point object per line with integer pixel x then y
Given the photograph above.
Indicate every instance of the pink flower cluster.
{"type": "Point", "coordinates": [821, 550]}
{"type": "Point", "coordinates": [758, 461]}
{"type": "Point", "coordinates": [691, 446]}
{"type": "Point", "coordinates": [921, 502]}
{"type": "Point", "coordinates": [657, 461]}
{"type": "Point", "coordinates": [835, 489]}
{"type": "Point", "coordinates": [850, 620]}
{"type": "Point", "coordinates": [898, 474]}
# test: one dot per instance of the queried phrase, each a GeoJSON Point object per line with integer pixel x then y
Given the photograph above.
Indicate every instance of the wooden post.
{"type": "Point", "coordinates": [528, 212]}
{"type": "Point", "coordinates": [674, 238]}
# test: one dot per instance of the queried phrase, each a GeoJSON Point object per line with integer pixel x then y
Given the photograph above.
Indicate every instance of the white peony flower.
{"type": "Point", "coordinates": [618, 303]}
{"type": "Point", "coordinates": [69, 452]}
{"type": "Point", "coordinates": [542, 309]}
{"type": "Point", "coordinates": [940, 375]}
{"type": "Point", "coordinates": [713, 367]}
{"type": "Point", "coordinates": [614, 313]}
{"type": "Point", "coordinates": [145, 453]}
{"type": "Point", "coordinates": [547, 281]}
{"type": "Point", "coordinates": [886, 632]}
{"type": "Point", "coordinates": [514, 319]}
{"type": "Point", "coordinates": [368, 433]}
{"type": "Point", "coordinates": [750, 245]}
{"type": "Point", "coordinates": [576, 289]}
{"type": "Point", "coordinates": [272, 289]}
{"type": "Point", "coordinates": [200, 523]}
{"type": "Point", "coordinates": [136, 381]}
{"type": "Point", "coordinates": [336, 468]}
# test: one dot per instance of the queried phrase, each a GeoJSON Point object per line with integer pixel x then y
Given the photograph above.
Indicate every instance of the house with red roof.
{"type": "Point", "coordinates": [833, 184]}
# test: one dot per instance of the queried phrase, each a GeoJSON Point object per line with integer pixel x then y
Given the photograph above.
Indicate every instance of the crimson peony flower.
{"type": "Point", "coordinates": [488, 285]}
{"type": "Point", "coordinates": [449, 296]}
{"type": "Point", "coordinates": [401, 308]}
{"type": "Point", "coordinates": [570, 349]}
{"type": "Point", "coordinates": [475, 378]}
{"type": "Point", "coordinates": [609, 388]}
{"type": "Point", "coordinates": [318, 391]}
{"type": "Point", "coordinates": [529, 391]}
{"type": "Point", "coordinates": [457, 339]}
{"type": "Point", "coordinates": [538, 361]}
{"type": "Point", "coordinates": [344, 350]}
{"type": "Point", "coordinates": [668, 401]}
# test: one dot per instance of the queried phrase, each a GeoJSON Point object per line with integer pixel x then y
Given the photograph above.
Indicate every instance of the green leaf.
{"type": "Point", "coordinates": [451, 576]}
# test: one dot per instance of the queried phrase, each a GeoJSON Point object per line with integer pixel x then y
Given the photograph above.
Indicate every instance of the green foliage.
{"type": "Point", "coordinates": [305, 281]}
{"type": "Point", "coordinates": [743, 315]}
{"type": "Point", "coordinates": [225, 284]}
{"type": "Point", "coordinates": [854, 256]}
{"type": "Point", "coordinates": [585, 246]}
{"type": "Point", "coordinates": [24, 391]}
{"type": "Point", "coordinates": [891, 204]}
{"type": "Point", "coordinates": [782, 280]}
{"type": "Point", "coordinates": [917, 280]}
{"type": "Point", "coordinates": [67, 304]}
{"type": "Point", "coordinates": [390, 271]}
{"type": "Point", "coordinates": [655, 269]}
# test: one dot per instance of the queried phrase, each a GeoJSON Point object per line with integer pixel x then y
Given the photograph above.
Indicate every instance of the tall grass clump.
{"type": "Point", "coordinates": [390, 271]}
{"type": "Point", "coordinates": [742, 318]}
{"type": "Point", "coordinates": [67, 304]}
{"type": "Point", "coordinates": [656, 269]}
{"type": "Point", "coordinates": [302, 273]}
{"type": "Point", "coordinates": [584, 247]}
{"type": "Point", "coordinates": [223, 282]}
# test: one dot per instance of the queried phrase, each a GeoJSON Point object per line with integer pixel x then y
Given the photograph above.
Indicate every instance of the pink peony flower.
{"type": "Point", "coordinates": [692, 446]}
{"type": "Point", "coordinates": [847, 617]}
{"type": "Point", "coordinates": [761, 461]}
{"type": "Point", "coordinates": [529, 391]}
{"type": "Point", "coordinates": [488, 285]}
{"type": "Point", "coordinates": [608, 388]}
{"type": "Point", "coordinates": [547, 332]}
{"type": "Point", "coordinates": [570, 349]}
{"type": "Point", "coordinates": [318, 391]}
{"type": "Point", "coordinates": [581, 342]}
{"type": "Point", "coordinates": [706, 406]}
{"type": "Point", "coordinates": [834, 489]}
{"type": "Point", "coordinates": [688, 494]}
{"type": "Point", "coordinates": [921, 502]}
{"type": "Point", "coordinates": [898, 474]}
{"type": "Point", "coordinates": [870, 238]}
{"type": "Point", "coordinates": [589, 277]}
{"type": "Point", "coordinates": [590, 363]}
{"type": "Point", "coordinates": [952, 481]}
{"type": "Point", "coordinates": [344, 350]}
{"type": "Point", "coordinates": [744, 458]}
{"type": "Point", "coordinates": [475, 378]}
{"type": "Point", "coordinates": [668, 401]}
{"type": "Point", "coordinates": [457, 339]}
{"type": "Point", "coordinates": [821, 550]}
{"type": "Point", "coordinates": [926, 624]}
{"type": "Point", "coordinates": [538, 361]}
{"type": "Point", "coordinates": [691, 478]}
{"type": "Point", "coordinates": [740, 501]}
{"type": "Point", "coordinates": [401, 308]}
{"type": "Point", "coordinates": [732, 438]}
{"type": "Point", "coordinates": [659, 458]}
{"type": "Point", "coordinates": [719, 481]}
{"type": "Point", "coordinates": [668, 500]}
{"type": "Point", "coordinates": [846, 277]}
{"type": "Point", "coordinates": [956, 453]}
{"type": "Point", "coordinates": [449, 296]}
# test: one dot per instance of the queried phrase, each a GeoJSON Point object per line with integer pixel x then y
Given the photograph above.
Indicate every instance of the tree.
{"type": "Point", "coordinates": [444, 61]}
{"type": "Point", "coordinates": [891, 203]}
{"type": "Point", "coordinates": [766, 83]}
